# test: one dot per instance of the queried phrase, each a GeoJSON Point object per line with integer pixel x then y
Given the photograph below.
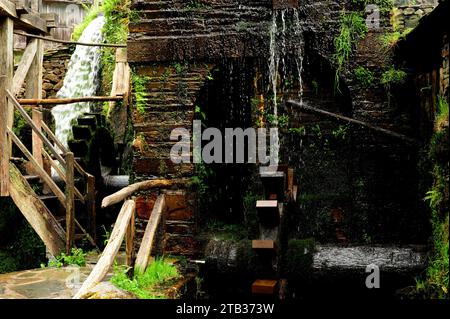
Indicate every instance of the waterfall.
{"type": "Point", "coordinates": [82, 79]}
{"type": "Point", "coordinates": [290, 29]}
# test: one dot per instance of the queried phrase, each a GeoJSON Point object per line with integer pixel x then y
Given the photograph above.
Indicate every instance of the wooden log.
{"type": "Point", "coordinates": [24, 66]}
{"type": "Point", "coordinates": [38, 169]}
{"type": "Point", "coordinates": [339, 117]}
{"type": "Point", "coordinates": [146, 185]}
{"type": "Point", "coordinates": [6, 76]}
{"type": "Point", "coordinates": [8, 9]}
{"type": "Point", "coordinates": [109, 254]}
{"type": "Point", "coordinates": [145, 250]}
{"type": "Point", "coordinates": [110, 45]}
{"type": "Point", "coordinates": [70, 202]}
{"type": "Point", "coordinates": [36, 213]}
{"type": "Point", "coordinates": [47, 102]}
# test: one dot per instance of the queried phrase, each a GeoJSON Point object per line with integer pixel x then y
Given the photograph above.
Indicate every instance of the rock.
{"type": "Point", "coordinates": [106, 290]}
{"type": "Point", "coordinates": [408, 11]}
{"type": "Point", "coordinates": [52, 77]}
{"type": "Point", "coordinates": [47, 86]}
{"type": "Point", "coordinates": [58, 86]}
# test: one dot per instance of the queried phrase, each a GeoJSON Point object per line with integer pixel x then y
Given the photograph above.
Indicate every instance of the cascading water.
{"type": "Point", "coordinates": [82, 79]}
{"type": "Point", "coordinates": [280, 52]}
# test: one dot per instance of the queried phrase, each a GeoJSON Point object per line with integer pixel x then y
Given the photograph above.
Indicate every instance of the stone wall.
{"type": "Point", "coordinates": [55, 65]}
{"type": "Point", "coordinates": [409, 12]}
{"type": "Point", "coordinates": [175, 32]}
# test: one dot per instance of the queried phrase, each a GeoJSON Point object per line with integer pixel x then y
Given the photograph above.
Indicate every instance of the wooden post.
{"type": "Point", "coordinates": [130, 241]}
{"type": "Point", "coordinates": [6, 111]}
{"type": "Point", "coordinates": [70, 202]}
{"type": "Point", "coordinates": [91, 208]}
{"type": "Point", "coordinates": [34, 91]}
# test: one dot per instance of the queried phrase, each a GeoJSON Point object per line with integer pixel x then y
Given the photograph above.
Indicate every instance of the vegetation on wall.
{"type": "Point", "coordinates": [364, 77]}
{"type": "Point", "coordinates": [353, 28]}
{"type": "Point", "coordinates": [435, 282]}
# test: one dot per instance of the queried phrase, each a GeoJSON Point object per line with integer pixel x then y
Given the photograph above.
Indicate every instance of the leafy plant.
{"type": "Point", "coordinates": [76, 257]}
{"type": "Point", "coordinates": [139, 87]}
{"type": "Point", "coordinates": [147, 285]}
{"type": "Point", "coordinates": [353, 28]}
{"type": "Point", "coordinates": [364, 77]}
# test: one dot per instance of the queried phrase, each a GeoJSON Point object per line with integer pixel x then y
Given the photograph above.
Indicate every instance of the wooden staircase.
{"type": "Point", "coordinates": [279, 189]}
{"type": "Point", "coordinates": [48, 208]}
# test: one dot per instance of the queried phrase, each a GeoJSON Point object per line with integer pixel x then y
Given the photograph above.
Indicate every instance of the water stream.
{"type": "Point", "coordinates": [81, 80]}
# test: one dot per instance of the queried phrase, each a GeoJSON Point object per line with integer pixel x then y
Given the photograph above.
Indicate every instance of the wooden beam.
{"type": "Point", "coordinates": [8, 9]}
{"type": "Point", "coordinates": [38, 169]}
{"type": "Point", "coordinates": [129, 190]}
{"type": "Point", "coordinates": [6, 112]}
{"type": "Point", "coordinates": [36, 213]}
{"type": "Point", "coordinates": [339, 117]}
{"type": "Point", "coordinates": [24, 66]}
{"type": "Point", "coordinates": [108, 45]}
{"type": "Point", "coordinates": [32, 20]}
{"type": "Point", "coordinates": [44, 102]}
{"type": "Point", "coordinates": [70, 202]}
{"type": "Point", "coordinates": [145, 250]}
{"type": "Point", "coordinates": [109, 253]}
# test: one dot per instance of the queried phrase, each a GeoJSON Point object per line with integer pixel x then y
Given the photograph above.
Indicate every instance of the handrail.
{"type": "Point", "coordinates": [123, 223]}
{"type": "Point", "coordinates": [34, 128]}
{"type": "Point", "coordinates": [39, 170]}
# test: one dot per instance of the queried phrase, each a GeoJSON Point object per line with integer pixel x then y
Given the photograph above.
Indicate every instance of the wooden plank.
{"type": "Point", "coordinates": [27, 118]}
{"type": "Point", "coordinates": [33, 20]}
{"type": "Point", "coordinates": [130, 241]}
{"type": "Point", "coordinates": [38, 169]}
{"type": "Point", "coordinates": [7, 8]}
{"type": "Point", "coordinates": [70, 202]}
{"type": "Point", "coordinates": [107, 45]}
{"type": "Point", "coordinates": [24, 66]}
{"type": "Point", "coordinates": [6, 113]}
{"type": "Point", "coordinates": [146, 185]}
{"type": "Point", "coordinates": [145, 250]}
{"type": "Point", "coordinates": [109, 253]}
{"type": "Point", "coordinates": [264, 287]}
{"type": "Point", "coordinates": [267, 204]}
{"type": "Point", "coordinates": [36, 213]}
{"type": "Point", "coordinates": [263, 244]}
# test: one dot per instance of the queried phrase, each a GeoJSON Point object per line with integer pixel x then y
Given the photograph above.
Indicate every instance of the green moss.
{"type": "Point", "coordinates": [148, 285]}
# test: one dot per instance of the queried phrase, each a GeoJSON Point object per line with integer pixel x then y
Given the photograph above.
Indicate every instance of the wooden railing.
{"type": "Point", "coordinates": [64, 164]}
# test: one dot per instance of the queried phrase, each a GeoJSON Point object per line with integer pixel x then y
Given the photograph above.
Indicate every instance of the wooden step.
{"type": "Point", "coordinates": [274, 183]}
{"type": "Point", "coordinates": [268, 211]}
{"type": "Point", "coordinates": [32, 178]}
{"type": "Point", "coordinates": [264, 287]}
{"type": "Point", "coordinates": [263, 244]}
